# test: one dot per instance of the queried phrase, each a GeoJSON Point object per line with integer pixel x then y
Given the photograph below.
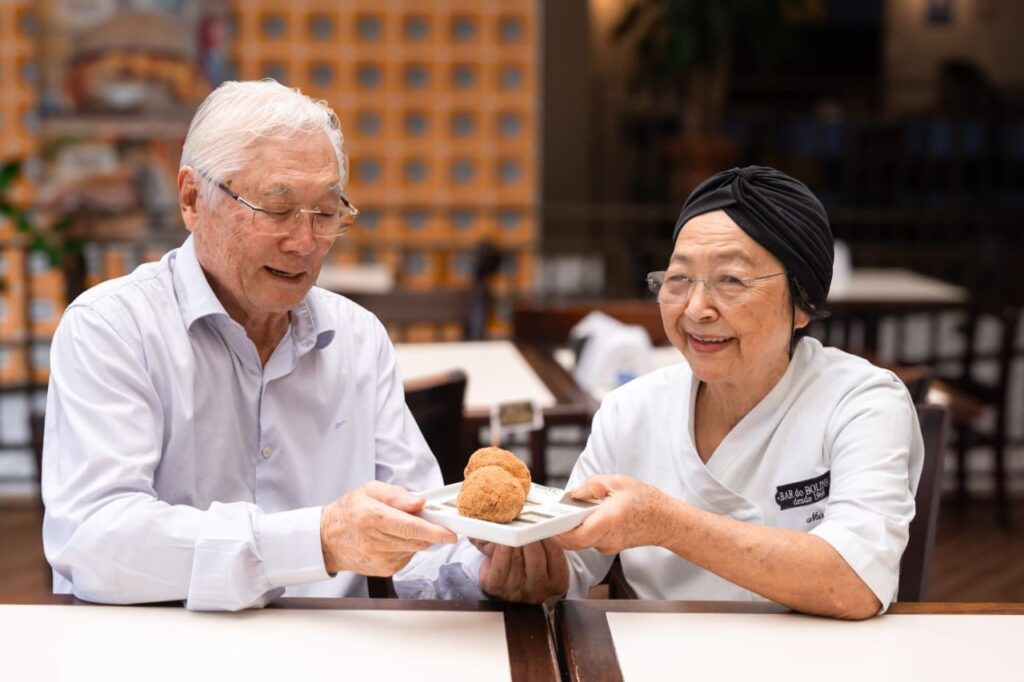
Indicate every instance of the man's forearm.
{"type": "Point", "coordinates": [136, 550]}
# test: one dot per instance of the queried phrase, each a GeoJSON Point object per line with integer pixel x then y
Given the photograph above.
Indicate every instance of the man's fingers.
{"type": "Point", "coordinates": [535, 561]}
{"type": "Point", "coordinates": [516, 568]}
{"type": "Point", "coordinates": [394, 524]}
{"type": "Point", "coordinates": [394, 496]}
{"type": "Point", "coordinates": [558, 564]}
{"type": "Point", "coordinates": [499, 566]}
{"type": "Point", "coordinates": [415, 528]}
{"type": "Point", "coordinates": [486, 548]}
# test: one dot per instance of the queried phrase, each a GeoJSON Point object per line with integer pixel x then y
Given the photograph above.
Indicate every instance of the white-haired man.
{"type": "Point", "coordinates": [219, 431]}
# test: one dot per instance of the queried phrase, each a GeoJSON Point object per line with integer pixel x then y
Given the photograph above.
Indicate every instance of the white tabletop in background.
{"type": "Point", "coordinates": [357, 278]}
{"type": "Point", "coordinates": [168, 643]}
{"type": "Point", "coordinates": [496, 371]}
{"type": "Point", "coordinates": [886, 285]}
{"type": "Point", "coordinates": [788, 647]}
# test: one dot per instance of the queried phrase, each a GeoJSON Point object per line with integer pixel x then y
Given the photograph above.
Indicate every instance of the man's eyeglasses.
{"type": "Point", "coordinates": [673, 287]}
{"type": "Point", "coordinates": [279, 222]}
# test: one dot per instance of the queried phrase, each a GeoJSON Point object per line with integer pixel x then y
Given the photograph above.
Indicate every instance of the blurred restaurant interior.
{"type": "Point", "coordinates": [519, 164]}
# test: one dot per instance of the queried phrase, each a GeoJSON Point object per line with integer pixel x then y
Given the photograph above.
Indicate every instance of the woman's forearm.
{"type": "Point", "coordinates": [795, 569]}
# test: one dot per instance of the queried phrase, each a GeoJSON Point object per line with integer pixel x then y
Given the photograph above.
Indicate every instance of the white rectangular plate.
{"type": "Point", "coordinates": [545, 514]}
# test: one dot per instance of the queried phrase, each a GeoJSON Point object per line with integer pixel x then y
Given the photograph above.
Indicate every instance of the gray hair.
{"type": "Point", "coordinates": [238, 114]}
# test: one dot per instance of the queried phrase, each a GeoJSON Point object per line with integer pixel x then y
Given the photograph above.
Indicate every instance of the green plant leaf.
{"type": "Point", "coordinates": [8, 173]}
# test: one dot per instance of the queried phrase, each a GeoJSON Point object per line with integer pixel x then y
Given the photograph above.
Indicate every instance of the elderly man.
{"type": "Point", "coordinates": [220, 432]}
{"type": "Point", "coordinates": [763, 467]}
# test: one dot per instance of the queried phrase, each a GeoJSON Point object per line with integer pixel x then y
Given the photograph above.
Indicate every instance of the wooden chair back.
{"type": "Point", "coordinates": [915, 566]}
{"type": "Point", "coordinates": [434, 315]}
{"type": "Point", "coordinates": [549, 324]}
{"type": "Point", "coordinates": [436, 404]}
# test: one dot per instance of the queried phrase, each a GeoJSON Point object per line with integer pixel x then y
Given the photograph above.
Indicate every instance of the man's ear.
{"type": "Point", "coordinates": [188, 196]}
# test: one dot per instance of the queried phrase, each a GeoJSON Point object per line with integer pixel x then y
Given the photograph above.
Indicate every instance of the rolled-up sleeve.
{"type": "Point", "coordinates": [876, 455]}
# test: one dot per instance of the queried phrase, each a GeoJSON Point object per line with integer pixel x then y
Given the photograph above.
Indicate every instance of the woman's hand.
{"type": "Point", "coordinates": [529, 574]}
{"type": "Point", "coordinates": [632, 514]}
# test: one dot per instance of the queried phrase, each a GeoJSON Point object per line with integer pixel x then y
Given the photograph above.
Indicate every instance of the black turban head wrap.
{"type": "Point", "coordinates": [778, 212]}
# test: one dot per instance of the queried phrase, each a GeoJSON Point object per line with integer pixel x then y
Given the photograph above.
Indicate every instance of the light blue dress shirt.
{"type": "Point", "coordinates": [176, 467]}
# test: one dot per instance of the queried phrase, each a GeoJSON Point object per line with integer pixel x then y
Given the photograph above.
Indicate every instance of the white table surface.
{"type": "Point", "coordinates": [496, 371]}
{"type": "Point", "coordinates": [168, 643]}
{"type": "Point", "coordinates": [788, 647]}
{"type": "Point", "coordinates": [357, 278]}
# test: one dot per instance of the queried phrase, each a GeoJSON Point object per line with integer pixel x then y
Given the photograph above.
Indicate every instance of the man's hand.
{"type": "Point", "coordinates": [528, 574]}
{"type": "Point", "coordinates": [633, 515]}
{"type": "Point", "coordinates": [371, 530]}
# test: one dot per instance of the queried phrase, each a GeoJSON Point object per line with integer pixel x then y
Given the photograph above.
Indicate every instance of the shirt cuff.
{"type": "Point", "coordinates": [289, 545]}
{"type": "Point", "coordinates": [442, 572]}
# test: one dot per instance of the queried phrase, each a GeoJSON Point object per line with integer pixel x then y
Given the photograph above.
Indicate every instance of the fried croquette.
{"type": "Point", "coordinates": [485, 457]}
{"type": "Point", "coordinates": [492, 494]}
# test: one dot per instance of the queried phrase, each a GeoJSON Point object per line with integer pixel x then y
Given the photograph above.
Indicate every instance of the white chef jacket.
{"type": "Point", "coordinates": [176, 467]}
{"type": "Point", "coordinates": [834, 449]}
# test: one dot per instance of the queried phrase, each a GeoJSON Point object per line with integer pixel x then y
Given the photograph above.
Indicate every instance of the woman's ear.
{"type": "Point", "coordinates": [800, 318]}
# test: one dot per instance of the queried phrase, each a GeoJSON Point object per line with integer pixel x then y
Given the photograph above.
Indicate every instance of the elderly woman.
{"type": "Point", "coordinates": [765, 466]}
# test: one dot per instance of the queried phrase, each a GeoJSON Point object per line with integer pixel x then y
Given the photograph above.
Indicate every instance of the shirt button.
{"type": "Point", "coordinates": [266, 453]}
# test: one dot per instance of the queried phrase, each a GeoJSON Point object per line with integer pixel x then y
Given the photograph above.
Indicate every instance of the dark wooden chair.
{"type": "Point", "coordinates": [436, 404]}
{"type": "Point", "coordinates": [618, 587]}
{"type": "Point", "coordinates": [992, 395]}
{"type": "Point", "coordinates": [918, 381]}
{"type": "Point", "coordinates": [915, 566]}
{"type": "Point", "coordinates": [548, 324]}
{"type": "Point", "coordinates": [37, 427]}
{"type": "Point", "coordinates": [435, 315]}
{"type": "Point", "coordinates": [439, 314]}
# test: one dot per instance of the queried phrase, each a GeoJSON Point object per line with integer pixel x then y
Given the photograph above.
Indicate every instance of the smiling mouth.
{"type": "Point", "coordinates": [708, 342]}
{"type": "Point", "coordinates": [283, 274]}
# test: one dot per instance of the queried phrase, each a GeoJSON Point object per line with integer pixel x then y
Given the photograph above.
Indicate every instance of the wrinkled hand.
{"type": "Point", "coordinates": [371, 530]}
{"type": "Point", "coordinates": [632, 514]}
{"type": "Point", "coordinates": [529, 574]}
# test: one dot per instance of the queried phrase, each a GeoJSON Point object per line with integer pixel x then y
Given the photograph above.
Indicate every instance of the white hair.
{"type": "Point", "coordinates": [239, 114]}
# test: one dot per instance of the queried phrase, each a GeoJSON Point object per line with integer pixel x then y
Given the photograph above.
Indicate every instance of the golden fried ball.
{"type": "Point", "coordinates": [486, 457]}
{"type": "Point", "coordinates": [492, 494]}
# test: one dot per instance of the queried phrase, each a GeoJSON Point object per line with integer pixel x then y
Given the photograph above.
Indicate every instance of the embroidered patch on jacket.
{"type": "Point", "coordinates": [803, 492]}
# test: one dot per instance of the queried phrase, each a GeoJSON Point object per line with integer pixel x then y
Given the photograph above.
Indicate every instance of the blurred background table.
{"type": "Point", "coordinates": [501, 372]}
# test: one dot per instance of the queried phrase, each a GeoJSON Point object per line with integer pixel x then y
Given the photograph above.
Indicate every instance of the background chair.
{"type": "Point", "coordinates": [915, 566]}
{"type": "Point", "coordinates": [37, 426]}
{"type": "Point", "coordinates": [441, 314]}
{"type": "Point", "coordinates": [436, 404]}
{"type": "Point", "coordinates": [990, 390]}
{"type": "Point", "coordinates": [438, 314]}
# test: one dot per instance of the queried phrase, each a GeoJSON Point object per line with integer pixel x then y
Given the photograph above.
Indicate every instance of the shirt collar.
{"type": "Point", "coordinates": [195, 296]}
{"type": "Point", "coordinates": [197, 300]}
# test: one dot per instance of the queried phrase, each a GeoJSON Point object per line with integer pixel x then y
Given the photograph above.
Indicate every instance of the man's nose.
{"type": "Point", "coordinates": [301, 238]}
